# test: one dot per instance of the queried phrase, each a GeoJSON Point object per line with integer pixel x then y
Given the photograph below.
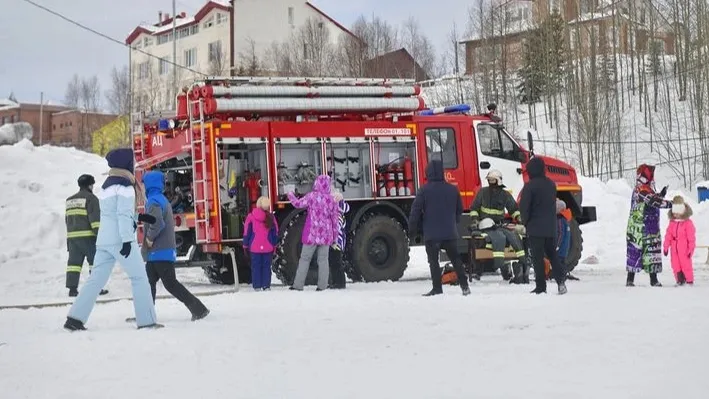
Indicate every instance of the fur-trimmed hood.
{"type": "Point", "coordinates": [678, 200]}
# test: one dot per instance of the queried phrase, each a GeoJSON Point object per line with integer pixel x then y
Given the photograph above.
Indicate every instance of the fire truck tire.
{"type": "Point", "coordinates": [575, 246]}
{"type": "Point", "coordinates": [380, 249]}
{"type": "Point", "coordinates": [285, 262]}
{"type": "Point", "coordinates": [223, 271]}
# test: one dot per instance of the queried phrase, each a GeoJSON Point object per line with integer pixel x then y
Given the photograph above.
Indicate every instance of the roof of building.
{"type": "Point", "coordinates": [181, 20]}
{"type": "Point", "coordinates": [329, 18]}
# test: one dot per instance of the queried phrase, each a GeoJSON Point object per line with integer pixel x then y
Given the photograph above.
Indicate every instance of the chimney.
{"type": "Point", "coordinates": [159, 17]}
{"type": "Point", "coordinates": [167, 17]}
{"type": "Point", "coordinates": [183, 14]}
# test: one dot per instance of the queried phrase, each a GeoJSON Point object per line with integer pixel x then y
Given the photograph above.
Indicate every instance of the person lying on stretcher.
{"type": "Point", "coordinates": [498, 237]}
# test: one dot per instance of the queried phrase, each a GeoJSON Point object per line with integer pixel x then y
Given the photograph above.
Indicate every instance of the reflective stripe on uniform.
{"type": "Point", "coordinates": [95, 225]}
{"type": "Point", "coordinates": [498, 254]}
{"type": "Point", "coordinates": [473, 214]}
{"type": "Point", "coordinates": [76, 212]}
{"type": "Point", "coordinates": [491, 211]}
{"type": "Point", "coordinates": [73, 269]}
{"type": "Point", "coordinates": [515, 215]}
{"type": "Point", "coordinates": [80, 234]}
{"type": "Point", "coordinates": [520, 253]}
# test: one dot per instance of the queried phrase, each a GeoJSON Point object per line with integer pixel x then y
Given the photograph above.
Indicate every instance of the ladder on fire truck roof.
{"type": "Point", "coordinates": [302, 81]}
{"type": "Point", "coordinates": [199, 173]}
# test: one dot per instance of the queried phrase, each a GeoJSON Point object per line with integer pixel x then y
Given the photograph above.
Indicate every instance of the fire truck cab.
{"type": "Point", "coordinates": [232, 140]}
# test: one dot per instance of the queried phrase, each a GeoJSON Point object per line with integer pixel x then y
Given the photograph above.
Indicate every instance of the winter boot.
{"type": "Point", "coordinates": [562, 289]}
{"type": "Point", "coordinates": [630, 281]}
{"type": "Point", "coordinates": [74, 325]}
{"type": "Point", "coordinates": [295, 289]}
{"type": "Point", "coordinates": [475, 277]}
{"type": "Point", "coordinates": [466, 291]}
{"type": "Point", "coordinates": [506, 272]}
{"type": "Point", "coordinates": [654, 281]}
{"type": "Point", "coordinates": [433, 292]}
{"type": "Point", "coordinates": [103, 292]}
{"type": "Point", "coordinates": [538, 291]}
{"type": "Point", "coordinates": [73, 292]}
{"type": "Point", "coordinates": [153, 326]}
{"type": "Point", "coordinates": [681, 279]}
{"type": "Point", "coordinates": [201, 315]}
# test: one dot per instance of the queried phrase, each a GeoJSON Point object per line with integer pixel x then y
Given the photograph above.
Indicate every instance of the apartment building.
{"type": "Point", "coordinates": [217, 40]}
{"type": "Point", "coordinates": [592, 27]}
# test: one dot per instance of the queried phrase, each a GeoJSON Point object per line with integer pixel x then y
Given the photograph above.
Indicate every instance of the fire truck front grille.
{"type": "Point", "coordinates": [558, 170]}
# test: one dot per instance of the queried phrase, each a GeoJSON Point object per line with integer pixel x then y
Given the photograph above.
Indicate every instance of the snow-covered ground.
{"type": "Point", "coordinates": [383, 340]}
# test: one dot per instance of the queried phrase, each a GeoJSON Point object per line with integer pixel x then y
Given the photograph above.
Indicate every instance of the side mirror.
{"type": "Point", "coordinates": [530, 141]}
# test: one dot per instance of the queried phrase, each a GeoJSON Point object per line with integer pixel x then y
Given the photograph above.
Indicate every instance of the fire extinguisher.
{"type": "Point", "coordinates": [253, 187]}
{"type": "Point", "coordinates": [392, 171]}
{"type": "Point", "coordinates": [381, 180]}
{"type": "Point", "coordinates": [408, 175]}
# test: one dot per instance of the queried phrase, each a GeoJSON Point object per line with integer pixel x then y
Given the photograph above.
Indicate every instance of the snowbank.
{"type": "Point", "coordinates": [12, 133]}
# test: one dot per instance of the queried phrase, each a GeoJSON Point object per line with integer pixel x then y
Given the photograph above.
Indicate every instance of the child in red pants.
{"type": "Point", "coordinates": [680, 240]}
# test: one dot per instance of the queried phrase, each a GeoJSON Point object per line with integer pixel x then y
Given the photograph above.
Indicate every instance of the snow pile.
{"type": "Point", "coordinates": [12, 133]}
{"type": "Point", "coordinates": [34, 184]}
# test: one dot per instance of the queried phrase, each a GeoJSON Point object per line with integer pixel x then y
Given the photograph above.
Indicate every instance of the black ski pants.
{"type": "Point", "coordinates": [337, 269]}
{"type": "Point", "coordinates": [538, 248]}
{"type": "Point", "coordinates": [433, 248]}
{"type": "Point", "coordinates": [79, 249]}
{"type": "Point", "coordinates": [165, 271]}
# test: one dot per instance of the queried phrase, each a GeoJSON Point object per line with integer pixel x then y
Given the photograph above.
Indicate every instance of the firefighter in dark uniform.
{"type": "Point", "coordinates": [82, 223]}
{"type": "Point", "coordinates": [491, 202]}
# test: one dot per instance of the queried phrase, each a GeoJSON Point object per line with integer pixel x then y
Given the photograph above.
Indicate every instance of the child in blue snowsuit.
{"type": "Point", "coordinates": [563, 232]}
{"type": "Point", "coordinates": [116, 242]}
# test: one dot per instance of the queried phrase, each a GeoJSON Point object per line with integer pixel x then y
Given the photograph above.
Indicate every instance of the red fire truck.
{"type": "Point", "coordinates": [234, 139]}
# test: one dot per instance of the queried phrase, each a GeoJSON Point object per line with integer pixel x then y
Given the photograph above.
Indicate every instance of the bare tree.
{"type": "Point", "coordinates": [250, 63]}
{"type": "Point", "coordinates": [90, 94]}
{"type": "Point", "coordinates": [218, 61]}
{"type": "Point", "coordinates": [310, 52]}
{"type": "Point", "coordinates": [72, 95]}
{"type": "Point", "coordinates": [418, 45]}
{"type": "Point", "coordinates": [118, 96]}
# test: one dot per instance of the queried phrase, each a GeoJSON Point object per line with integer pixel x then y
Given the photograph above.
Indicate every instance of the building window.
{"type": "Point", "coordinates": [164, 66]}
{"type": "Point", "coordinates": [306, 52]}
{"type": "Point", "coordinates": [147, 42]}
{"type": "Point", "coordinates": [215, 51]}
{"type": "Point", "coordinates": [190, 57]}
{"type": "Point", "coordinates": [220, 18]}
{"type": "Point", "coordinates": [162, 39]}
{"type": "Point", "coordinates": [183, 32]}
{"type": "Point", "coordinates": [143, 70]}
{"type": "Point", "coordinates": [291, 15]}
{"type": "Point", "coordinates": [194, 29]}
{"type": "Point", "coordinates": [440, 145]}
{"type": "Point", "coordinates": [209, 23]}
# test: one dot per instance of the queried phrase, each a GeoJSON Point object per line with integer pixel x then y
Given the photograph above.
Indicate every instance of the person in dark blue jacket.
{"type": "Point", "coordinates": [159, 249]}
{"type": "Point", "coordinates": [563, 232]}
{"type": "Point", "coordinates": [436, 211]}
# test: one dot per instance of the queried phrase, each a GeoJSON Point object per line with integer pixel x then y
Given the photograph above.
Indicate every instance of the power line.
{"type": "Point", "coordinates": [105, 36]}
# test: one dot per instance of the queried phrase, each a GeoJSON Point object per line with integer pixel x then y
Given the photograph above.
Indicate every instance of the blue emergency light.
{"type": "Point", "coordinates": [163, 125]}
{"type": "Point", "coordinates": [446, 110]}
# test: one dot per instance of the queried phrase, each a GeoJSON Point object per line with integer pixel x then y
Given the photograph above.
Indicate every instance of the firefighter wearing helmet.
{"type": "Point", "coordinates": [82, 222]}
{"type": "Point", "coordinates": [489, 206]}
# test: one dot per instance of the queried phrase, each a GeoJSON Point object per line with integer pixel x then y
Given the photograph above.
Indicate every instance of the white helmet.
{"type": "Point", "coordinates": [486, 224]}
{"type": "Point", "coordinates": [494, 174]}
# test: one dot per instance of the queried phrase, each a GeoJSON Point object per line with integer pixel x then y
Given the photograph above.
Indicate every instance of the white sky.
{"type": "Point", "coordinates": [40, 52]}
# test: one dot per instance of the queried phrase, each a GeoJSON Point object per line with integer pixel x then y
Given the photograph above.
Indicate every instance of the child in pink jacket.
{"type": "Point", "coordinates": [260, 239]}
{"type": "Point", "coordinates": [680, 238]}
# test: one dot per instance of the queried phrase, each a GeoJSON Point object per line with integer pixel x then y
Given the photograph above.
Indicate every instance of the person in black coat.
{"type": "Point", "coordinates": [436, 211]}
{"type": "Point", "coordinates": [538, 211]}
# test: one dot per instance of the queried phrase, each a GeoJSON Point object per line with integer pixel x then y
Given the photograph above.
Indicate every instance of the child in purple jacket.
{"type": "Point", "coordinates": [260, 240]}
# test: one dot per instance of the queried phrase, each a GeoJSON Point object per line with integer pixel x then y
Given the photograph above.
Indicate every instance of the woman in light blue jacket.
{"type": "Point", "coordinates": [116, 242]}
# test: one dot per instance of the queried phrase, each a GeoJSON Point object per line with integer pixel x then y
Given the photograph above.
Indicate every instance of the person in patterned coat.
{"type": "Point", "coordinates": [337, 268]}
{"type": "Point", "coordinates": [320, 231]}
{"type": "Point", "coordinates": [644, 242]}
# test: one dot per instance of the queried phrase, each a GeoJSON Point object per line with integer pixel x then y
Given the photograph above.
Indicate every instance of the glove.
{"type": "Point", "coordinates": [146, 218]}
{"type": "Point", "coordinates": [135, 226]}
{"type": "Point", "coordinates": [663, 192]}
{"type": "Point", "coordinates": [125, 250]}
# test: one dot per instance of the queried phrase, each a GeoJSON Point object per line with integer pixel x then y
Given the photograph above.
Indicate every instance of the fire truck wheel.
{"type": "Point", "coordinates": [575, 247]}
{"type": "Point", "coordinates": [380, 249]}
{"type": "Point", "coordinates": [285, 263]}
{"type": "Point", "coordinates": [223, 271]}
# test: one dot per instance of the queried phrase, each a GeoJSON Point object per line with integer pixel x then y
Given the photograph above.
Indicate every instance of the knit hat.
{"type": "Point", "coordinates": [560, 205]}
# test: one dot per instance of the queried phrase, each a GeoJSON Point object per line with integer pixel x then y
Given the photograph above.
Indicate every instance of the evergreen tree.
{"type": "Point", "coordinates": [544, 60]}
